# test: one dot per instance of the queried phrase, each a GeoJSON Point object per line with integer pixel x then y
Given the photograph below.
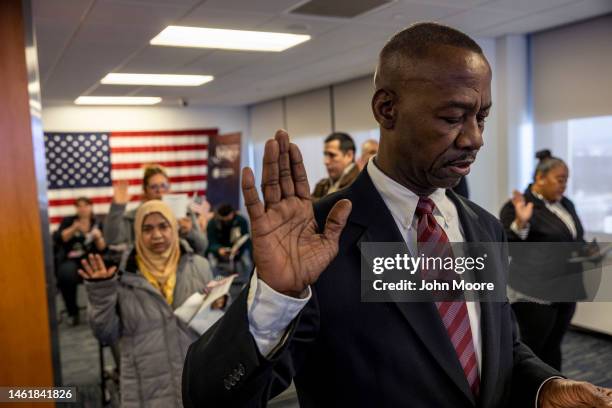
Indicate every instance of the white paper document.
{"type": "Point", "coordinates": [178, 203]}
{"type": "Point", "coordinates": [196, 311]}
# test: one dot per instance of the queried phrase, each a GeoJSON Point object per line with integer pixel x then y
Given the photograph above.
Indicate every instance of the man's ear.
{"type": "Point", "coordinates": [383, 107]}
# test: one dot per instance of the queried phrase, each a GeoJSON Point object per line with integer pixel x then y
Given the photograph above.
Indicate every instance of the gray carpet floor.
{"type": "Point", "coordinates": [587, 357]}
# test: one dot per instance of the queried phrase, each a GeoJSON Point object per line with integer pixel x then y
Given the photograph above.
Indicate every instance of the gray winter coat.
{"type": "Point", "coordinates": [119, 229]}
{"type": "Point", "coordinates": [152, 340]}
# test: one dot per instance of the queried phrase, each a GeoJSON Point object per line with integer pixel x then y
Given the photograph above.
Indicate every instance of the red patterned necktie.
{"type": "Point", "coordinates": [454, 314]}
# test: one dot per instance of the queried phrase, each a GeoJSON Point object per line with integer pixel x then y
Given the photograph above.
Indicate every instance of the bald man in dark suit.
{"type": "Point", "coordinates": [302, 317]}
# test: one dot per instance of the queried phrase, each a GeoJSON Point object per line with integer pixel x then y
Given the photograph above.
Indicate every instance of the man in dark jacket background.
{"type": "Point", "coordinates": [339, 153]}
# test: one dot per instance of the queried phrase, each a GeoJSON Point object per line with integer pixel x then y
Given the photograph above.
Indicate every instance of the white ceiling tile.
{"type": "Point", "coordinates": [67, 85]}
{"type": "Point", "coordinates": [113, 90]}
{"type": "Point", "coordinates": [298, 25]}
{"type": "Point", "coordinates": [523, 25]}
{"type": "Point", "coordinates": [473, 20]}
{"type": "Point", "coordinates": [60, 11]}
{"type": "Point", "coordinates": [568, 13]}
{"type": "Point", "coordinates": [134, 14]}
{"type": "Point", "coordinates": [187, 3]}
{"type": "Point", "coordinates": [94, 35]}
{"type": "Point", "coordinates": [530, 6]}
{"type": "Point", "coordinates": [161, 60]}
{"type": "Point", "coordinates": [201, 17]}
{"type": "Point", "coordinates": [51, 38]}
{"type": "Point", "coordinates": [170, 92]}
{"type": "Point", "coordinates": [219, 62]}
{"type": "Point", "coordinates": [453, 3]}
{"type": "Point", "coordinates": [583, 9]}
{"type": "Point", "coordinates": [402, 14]}
{"type": "Point", "coordinates": [261, 6]}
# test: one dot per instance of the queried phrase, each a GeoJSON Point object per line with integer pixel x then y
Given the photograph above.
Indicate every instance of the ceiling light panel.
{"type": "Point", "coordinates": [181, 36]}
{"type": "Point", "coordinates": [117, 100]}
{"type": "Point", "coordinates": [155, 79]}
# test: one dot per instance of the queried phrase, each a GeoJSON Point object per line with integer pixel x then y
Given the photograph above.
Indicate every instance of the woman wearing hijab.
{"type": "Point", "coordinates": [540, 271]}
{"type": "Point", "coordinates": [136, 307]}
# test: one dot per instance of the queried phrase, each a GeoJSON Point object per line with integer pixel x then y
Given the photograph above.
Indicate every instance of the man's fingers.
{"type": "Point", "coordinates": [251, 198]}
{"type": "Point", "coordinates": [300, 180]}
{"type": "Point", "coordinates": [284, 167]}
{"type": "Point", "coordinates": [336, 219]}
{"type": "Point", "coordinates": [270, 178]}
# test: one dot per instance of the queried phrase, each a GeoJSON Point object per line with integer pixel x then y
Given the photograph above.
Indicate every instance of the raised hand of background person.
{"type": "Point", "coordinates": [120, 192]}
{"type": "Point", "coordinates": [523, 210]}
{"type": "Point", "coordinates": [94, 268]}
{"type": "Point", "coordinates": [289, 253]}
{"type": "Point", "coordinates": [562, 393]}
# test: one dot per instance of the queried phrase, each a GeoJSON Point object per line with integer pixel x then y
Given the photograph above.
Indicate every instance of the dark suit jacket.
{"type": "Point", "coordinates": [342, 352]}
{"type": "Point", "coordinates": [324, 185]}
{"type": "Point", "coordinates": [542, 270]}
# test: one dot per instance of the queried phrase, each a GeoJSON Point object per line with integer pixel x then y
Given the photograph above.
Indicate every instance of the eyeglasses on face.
{"type": "Point", "coordinates": [158, 187]}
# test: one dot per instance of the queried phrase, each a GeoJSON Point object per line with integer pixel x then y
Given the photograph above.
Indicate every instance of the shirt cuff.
{"type": "Point", "coordinates": [537, 398]}
{"type": "Point", "coordinates": [521, 232]}
{"type": "Point", "coordinates": [270, 313]}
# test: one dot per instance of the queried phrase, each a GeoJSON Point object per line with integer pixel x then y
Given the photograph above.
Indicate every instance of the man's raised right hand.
{"type": "Point", "coordinates": [289, 253]}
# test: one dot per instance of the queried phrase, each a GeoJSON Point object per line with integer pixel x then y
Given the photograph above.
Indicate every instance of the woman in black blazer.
{"type": "Point", "coordinates": [540, 273]}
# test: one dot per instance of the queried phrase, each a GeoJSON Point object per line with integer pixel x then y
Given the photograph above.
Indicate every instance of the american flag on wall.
{"type": "Point", "coordinates": [87, 163]}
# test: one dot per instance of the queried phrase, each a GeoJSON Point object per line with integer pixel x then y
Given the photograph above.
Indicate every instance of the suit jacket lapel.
{"type": "Point", "coordinates": [370, 211]}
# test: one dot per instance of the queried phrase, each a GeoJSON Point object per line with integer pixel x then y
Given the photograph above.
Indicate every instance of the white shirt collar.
{"type": "Point", "coordinates": [541, 197]}
{"type": "Point", "coordinates": [402, 202]}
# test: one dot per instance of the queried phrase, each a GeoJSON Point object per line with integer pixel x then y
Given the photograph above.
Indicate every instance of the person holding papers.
{"type": "Point", "coordinates": [230, 244]}
{"type": "Point", "coordinates": [540, 272]}
{"type": "Point", "coordinates": [155, 185]}
{"type": "Point", "coordinates": [137, 305]}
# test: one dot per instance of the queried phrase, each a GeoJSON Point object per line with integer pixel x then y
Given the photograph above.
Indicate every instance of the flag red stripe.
{"type": "Point", "coordinates": [176, 179]}
{"type": "Point", "coordinates": [108, 199]}
{"type": "Point", "coordinates": [95, 200]}
{"type": "Point", "coordinates": [184, 163]}
{"type": "Point", "coordinates": [210, 132]}
{"type": "Point", "coordinates": [146, 149]}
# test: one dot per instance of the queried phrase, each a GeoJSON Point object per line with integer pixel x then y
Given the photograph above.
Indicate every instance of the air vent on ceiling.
{"type": "Point", "coordinates": [338, 8]}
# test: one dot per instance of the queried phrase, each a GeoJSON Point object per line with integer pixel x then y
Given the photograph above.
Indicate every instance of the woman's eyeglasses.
{"type": "Point", "coordinates": [158, 187]}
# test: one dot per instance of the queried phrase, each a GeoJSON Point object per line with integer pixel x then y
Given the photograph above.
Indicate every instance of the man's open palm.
{"type": "Point", "coordinates": [289, 253]}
